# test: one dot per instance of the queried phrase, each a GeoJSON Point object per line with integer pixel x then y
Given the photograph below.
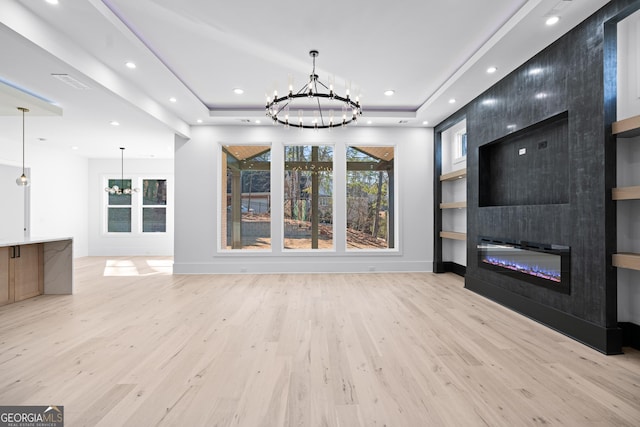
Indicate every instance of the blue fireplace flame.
{"type": "Point", "coordinates": [530, 269]}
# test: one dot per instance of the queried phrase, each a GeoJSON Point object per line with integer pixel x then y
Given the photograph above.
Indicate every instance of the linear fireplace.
{"type": "Point", "coordinates": [545, 265]}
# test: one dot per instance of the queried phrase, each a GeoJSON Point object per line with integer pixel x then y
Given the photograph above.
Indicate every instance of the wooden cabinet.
{"type": "Point", "coordinates": [627, 128]}
{"type": "Point", "coordinates": [6, 291]}
{"type": "Point", "coordinates": [21, 272]}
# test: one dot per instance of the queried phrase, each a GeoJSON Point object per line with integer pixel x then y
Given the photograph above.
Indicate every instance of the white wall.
{"type": "Point", "coordinates": [59, 196]}
{"type": "Point", "coordinates": [197, 169]}
{"type": "Point", "coordinates": [135, 243]}
{"type": "Point", "coordinates": [628, 60]}
{"type": "Point", "coordinates": [58, 193]}
{"type": "Point", "coordinates": [628, 165]}
{"type": "Point", "coordinates": [12, 211]}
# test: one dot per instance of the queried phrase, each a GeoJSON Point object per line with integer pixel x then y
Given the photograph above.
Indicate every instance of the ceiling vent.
{"type": "Point", "coordinates": [70, 80]}
{"type": "Point", "coordinates": [559, 7]}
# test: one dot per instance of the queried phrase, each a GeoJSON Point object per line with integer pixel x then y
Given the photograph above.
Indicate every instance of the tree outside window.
{"type": "Point", "coordinates": [154, 202]}
{"type": "Point", "coordinates": [246, 209]}
{"type": "Point", "coordinates": [370, 214]}
{"type": "Point", "coordinates": [308, 197]}
{"type": "Point", "coordinates": [119, 208]}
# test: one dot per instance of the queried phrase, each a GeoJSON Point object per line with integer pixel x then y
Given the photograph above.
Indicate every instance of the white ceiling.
{"type": "Point", "coordinates": [198, 51]}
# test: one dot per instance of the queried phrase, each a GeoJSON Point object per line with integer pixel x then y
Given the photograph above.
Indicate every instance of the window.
{"type": "Point", "coordinates": [308, 197]}
{"type": "Point", "coordinates": [141, 212]}
{"type": "Point", "coordinates": [154, 202]}
{"type": "Point", "coordinates": [460, 146]}
{"type": "Point", "coordinates": [370, 195]}
{"type": "Point", "coordinates": [246, 209]}
{"type": "Point", "coordinates": [119, 208]}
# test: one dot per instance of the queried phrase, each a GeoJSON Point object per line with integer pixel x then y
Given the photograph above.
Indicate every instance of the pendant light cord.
{"type": "Point", "coordinates": [24, 110]}
{"type": "Point", "coordinates": [23, 142]}
{"type": "Point", "coordinates": [122, 167]}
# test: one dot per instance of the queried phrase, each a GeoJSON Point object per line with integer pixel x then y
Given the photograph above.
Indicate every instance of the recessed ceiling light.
{"type": "Point", "coordinates": [492, 70]}
{"type": "Point", "coordinates": [426, 122]}
{"type": "Point", "coordinates": [389, 92]}
{"type": "Point", "coordinates": [257, 122]}
{"type": "Point", "coordinates": [199, 120]}
{"type": "Point", "coordinates": [238, 91]}
{"type": "Point", "coordinates": [552, 20]}
{"type": "Point", "coordinates": [369, 122]}
{"type": "Point", "coordinates": [52, 1]}
{"type": "Point", "coordinates": [172, 99]}
{"type": "Point", "coordinates": [114, 123]}
{"type": "Point", "coordinates": [131, 65]}
{"type": "Point", "coordinates": [74, 147]}
{"type": "Point", "coordinates": [452, 101]}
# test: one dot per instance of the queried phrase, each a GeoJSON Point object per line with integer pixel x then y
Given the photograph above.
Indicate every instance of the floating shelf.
{"type": "Point", "coordinates": [453, 235]}
{"type": "Point", "coordinates": [627, 260]}
{"type": "Point", "coordinates": [626, 193]}
{"type": "Point", "coordinates": [452, 176]}
{"type": "Point", "coordinates": [453, 205]}
{"type": "Point", "coordinates": [627, 128]}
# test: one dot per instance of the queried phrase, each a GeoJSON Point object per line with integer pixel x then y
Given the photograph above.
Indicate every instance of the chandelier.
{"type": "Point", "coordinates": [329, 109]}
{"type": "Point", "coordinates": [22, 180]}
{"type": "Point", "coordinates": [118, 189]}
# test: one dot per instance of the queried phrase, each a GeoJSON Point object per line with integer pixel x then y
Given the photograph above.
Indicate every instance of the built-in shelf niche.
{"type": "Point", "coordinates": [625, 129]}
{"type": "Point", "coordinates": [626, 193]}
{"type": "Point", "coordinates": [452, 176]}
{"type": "Point", "coordinates": [453, 235]}
{"type": "Point", "coordinates": [626, 260]}
{"type": "Point", "coordinates": [453, 205]}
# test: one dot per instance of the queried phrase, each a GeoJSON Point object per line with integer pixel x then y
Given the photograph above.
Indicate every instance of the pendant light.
{"type": "Point", "coordinates": [22, 180]}
{"type": "Point", "coordinates": [118, 189]}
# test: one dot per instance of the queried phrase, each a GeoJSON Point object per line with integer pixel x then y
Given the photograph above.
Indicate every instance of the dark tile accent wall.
{"type": "Point", "coordinates": [567, 78]}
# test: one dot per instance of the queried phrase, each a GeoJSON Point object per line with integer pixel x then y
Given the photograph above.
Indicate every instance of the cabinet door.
{"type": "Point", "coordinates": [6, 292]}
{"type": "Point", "coordinates": [28, 269]}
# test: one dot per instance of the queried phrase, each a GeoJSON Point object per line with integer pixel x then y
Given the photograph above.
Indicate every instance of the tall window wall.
{"type": "Point", "coordinates": [370, 207]}
{"type": "Point", "coordinates": [246, 210]}
{"type": "Point", "coordinates": [305, 198]}
{"type": "Point", "coordinates": [308, 197]}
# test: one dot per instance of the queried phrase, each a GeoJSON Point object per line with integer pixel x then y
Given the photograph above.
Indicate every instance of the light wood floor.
{"type": "Point", "coordinates": [136, 346]}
